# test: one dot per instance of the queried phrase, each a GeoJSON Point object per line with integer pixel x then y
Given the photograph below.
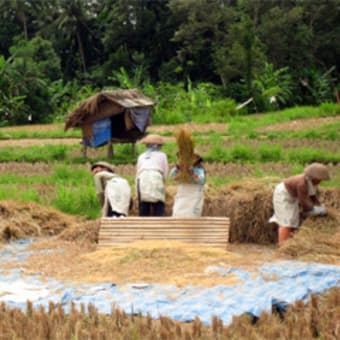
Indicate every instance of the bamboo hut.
{"type": "Point", "coordinates": [108, 117]}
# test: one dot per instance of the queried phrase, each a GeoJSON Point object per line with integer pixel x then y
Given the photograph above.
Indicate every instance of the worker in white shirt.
{"type": "Point", "coordinates": [152, 169]}
{"type": "Point", "coordinates": [113, 191]}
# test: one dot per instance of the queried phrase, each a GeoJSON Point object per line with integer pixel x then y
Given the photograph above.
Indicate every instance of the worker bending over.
{"type": "Point", "coordinates": [296, 197]}
{"type": "Point", "coordinates": [113, 191]}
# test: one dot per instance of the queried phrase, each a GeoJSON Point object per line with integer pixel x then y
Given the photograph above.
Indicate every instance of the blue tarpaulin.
{"type": "Point", "coordinates": [275, 284]}
{"type": "Point", "coordinates": [140, 117]}
{"type": "Point", "coordinates": [101, 133]}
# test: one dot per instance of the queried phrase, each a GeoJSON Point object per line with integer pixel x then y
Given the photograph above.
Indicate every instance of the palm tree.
{"type": "Point", "coordinates": [19, 9]}
{"type": "Point", "coordinates": [70, 19]}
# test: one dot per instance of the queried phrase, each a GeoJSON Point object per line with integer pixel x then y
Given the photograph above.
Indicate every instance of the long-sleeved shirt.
{"type": "Point", "coordinates": [100, 180]}
{"type": "Point", "coordinates": [154, 160]}
{"type": "Point", "coordinates": [300, 187]}
{"type": "Point", "coordinates": [197, 174]}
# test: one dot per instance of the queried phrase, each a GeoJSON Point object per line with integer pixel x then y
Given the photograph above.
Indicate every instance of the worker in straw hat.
{"type": "Point", "coordinates": [113, 191]}
{"type": "Point", "coordinates": [296, 195]}
{"type": "Point", "coordinates": [189, 198]}
{"type": "Point", "coordinates": [152, 169]}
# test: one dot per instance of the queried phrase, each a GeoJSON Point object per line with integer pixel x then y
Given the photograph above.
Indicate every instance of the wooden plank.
{"type": "Point", "coordinates": [202, 239]}
{"type": "Point", "coordinates": [143, 220]}
{"type": "Point", "coordinates": [212, 231]}
{"type": "Point", "coordinates": [168, 225]}
{"type": "Point", "coordinates": [186, 241]}
{"type": "Point", "coordinates": [162, 220]}
{"type": "Point", "coordinates": [160, 230]}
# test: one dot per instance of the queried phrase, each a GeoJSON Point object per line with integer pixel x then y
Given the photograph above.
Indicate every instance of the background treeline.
{"type": "Point", "coordinates": [189, 55]}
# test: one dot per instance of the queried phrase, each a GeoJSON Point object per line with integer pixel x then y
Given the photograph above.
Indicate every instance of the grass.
{"type": "Point", "coordinates": [245, 124]}
{"type": "Point", "coordinates": [38, 131]}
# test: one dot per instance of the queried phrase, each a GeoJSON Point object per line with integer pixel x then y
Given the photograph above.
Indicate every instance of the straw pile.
{"type": "Point", "coordinates": [86, 232]}
{"type": "Point", "coordinates": [248, 204]}
{"type": "Point", "coordinates": [20, 220]}
{"type": "Point", "coordinates": [185, 146]}
{"type": "Point", "coordinates": [317, 240]}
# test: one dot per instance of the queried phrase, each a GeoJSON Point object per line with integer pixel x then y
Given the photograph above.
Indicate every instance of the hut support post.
{"type": "Point", "coordinates": [110, 151]}
{"type": "Point", "coordinates": [84, 150]}
{"type": "Point", "coordinates": [134, 148]}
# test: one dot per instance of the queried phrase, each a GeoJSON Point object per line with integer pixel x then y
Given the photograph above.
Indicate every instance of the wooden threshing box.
{"type": "Point", "coordinates": [108, 117]}
{"type": "Point", "coordinates": [211, 231]}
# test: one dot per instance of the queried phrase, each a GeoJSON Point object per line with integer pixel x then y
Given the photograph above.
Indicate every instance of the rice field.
{"type": "Point", "coordinates": [54, 200]}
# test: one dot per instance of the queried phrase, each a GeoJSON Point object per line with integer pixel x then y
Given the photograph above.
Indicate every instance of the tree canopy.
{"type": "Point", "coordinates": [289, 50]}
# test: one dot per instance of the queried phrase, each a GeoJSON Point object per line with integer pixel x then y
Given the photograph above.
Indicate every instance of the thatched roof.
{"type": "Point", "coordinates": [104, 104]}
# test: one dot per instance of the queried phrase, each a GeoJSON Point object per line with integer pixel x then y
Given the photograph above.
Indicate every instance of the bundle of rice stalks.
{"type": "Point", "coordinates": [185, 146]}
{"type": "Point", "coordinates": [317, 240]}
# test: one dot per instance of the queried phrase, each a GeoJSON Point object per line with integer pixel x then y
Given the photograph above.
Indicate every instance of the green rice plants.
{"type": "Point", "coordinates": [253, 135]}
{"type": "Point", "coordinates": [73, 175]}
{"type": "Point", "coordinates": [240, 152]}
{"type": "Point", "coordinates": [80, 200]}
{"type": "Point", "coordinates": [268, 153]}
{"type": "Point", "coordinates": [17, 192]}
{"type": "Point", "coordinates": [218, 154]}
{"type": "Point", "coordinates": [41, 134]}
{"type": "Point", "coordinates": [308, 155]}
{"type": "Point", "coordinates": [35, 153]}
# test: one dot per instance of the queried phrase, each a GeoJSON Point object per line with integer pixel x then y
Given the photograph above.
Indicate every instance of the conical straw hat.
{"type": "Point", "coordinates": [317, 171]}
{"type": "Point", "coordinates": [152, 139]}
{"type": "Point", "coordinates": [105, 165]}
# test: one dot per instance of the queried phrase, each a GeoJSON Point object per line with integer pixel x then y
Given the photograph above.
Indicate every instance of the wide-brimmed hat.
{"type": "Point", "coordinates": [317, 171]}
{"type": "Point", "coordinates": [104, 165]}
{"type": "Point", "coordinates": [152, 139]}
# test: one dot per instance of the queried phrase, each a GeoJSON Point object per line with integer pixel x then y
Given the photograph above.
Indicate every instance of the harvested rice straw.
{"type": "Point", "coordinates": [185, 146]}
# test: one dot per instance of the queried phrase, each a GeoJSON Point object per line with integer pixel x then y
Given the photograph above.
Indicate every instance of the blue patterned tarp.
{"type": "Point", "coordinates": [277, 284]}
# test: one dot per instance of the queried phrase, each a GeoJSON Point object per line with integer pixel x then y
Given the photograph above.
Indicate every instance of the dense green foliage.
{"type": "Point", "coordinates": [202, 54]}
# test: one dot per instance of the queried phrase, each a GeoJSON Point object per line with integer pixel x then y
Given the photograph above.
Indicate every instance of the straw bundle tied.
{"type": "Point", "coordinates": [185, 146]}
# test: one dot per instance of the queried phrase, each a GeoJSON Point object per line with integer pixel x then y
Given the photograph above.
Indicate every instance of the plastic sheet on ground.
{"type": "Point", "coordinates": [277, 284]}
